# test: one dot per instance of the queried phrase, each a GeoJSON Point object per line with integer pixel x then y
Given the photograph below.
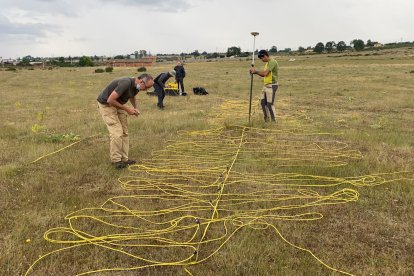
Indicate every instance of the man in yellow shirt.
{"type": "Point", "coordinates": [270, 79]}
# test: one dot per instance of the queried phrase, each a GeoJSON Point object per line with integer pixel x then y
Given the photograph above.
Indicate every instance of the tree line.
{"type": "Point", "coordinates": [233, 51]}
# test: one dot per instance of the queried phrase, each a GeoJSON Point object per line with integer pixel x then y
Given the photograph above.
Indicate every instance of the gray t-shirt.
{"type": "Point", "coordinates": [124, 86]}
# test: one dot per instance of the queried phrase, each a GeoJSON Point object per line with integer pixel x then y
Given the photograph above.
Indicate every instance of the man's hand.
{"type": "Point", "coordinates": [253, 70]}
{"type": "Point", "coordinates": [133, 111]}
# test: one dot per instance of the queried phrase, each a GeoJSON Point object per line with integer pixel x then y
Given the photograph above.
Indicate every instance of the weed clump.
{"type": "Point", "coordinates": [109, 69]}
{"type": "Point", "coordinates": [99, 70]}
{"type": "Point", "coordinates": [142, 69]}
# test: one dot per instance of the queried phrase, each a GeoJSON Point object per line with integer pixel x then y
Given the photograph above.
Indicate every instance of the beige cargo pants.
{"type": "Point", "coordinates": [116, 121]}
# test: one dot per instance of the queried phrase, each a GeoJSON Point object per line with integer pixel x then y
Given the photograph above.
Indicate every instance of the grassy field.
{"type": "Point", "coordinates": [212, 194]}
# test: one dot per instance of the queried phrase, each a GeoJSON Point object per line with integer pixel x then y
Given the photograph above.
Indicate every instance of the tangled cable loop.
{"type": "Point", "coordinates": [188, 201]}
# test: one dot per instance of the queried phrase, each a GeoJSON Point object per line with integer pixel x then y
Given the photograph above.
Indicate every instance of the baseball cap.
{"type": "Point", "coordinates": [262, 53]}
{"type": "Point", "coordinates": [172, 73]}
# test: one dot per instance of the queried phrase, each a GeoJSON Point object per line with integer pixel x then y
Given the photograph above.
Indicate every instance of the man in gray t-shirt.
{"type": "Point", "coordinates": [111, 105]}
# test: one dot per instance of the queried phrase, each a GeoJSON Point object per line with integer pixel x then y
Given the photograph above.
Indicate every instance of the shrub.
{"type": "Point", "coordinates": [142, 69]}
{"type": "Point", "coordinates": [60, 138]}
{"type": "Point", "coordinates": [109, 69]}
{"type": "Point", "coordinates": [11, 69]}
{"type": "Point", "coordinates": [99, 70]}
{"type": "Point", "coordinates": [412, 71]}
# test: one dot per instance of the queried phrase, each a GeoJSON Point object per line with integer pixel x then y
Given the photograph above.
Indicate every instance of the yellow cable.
{"type": "Point", "coordinates": [190, 199]}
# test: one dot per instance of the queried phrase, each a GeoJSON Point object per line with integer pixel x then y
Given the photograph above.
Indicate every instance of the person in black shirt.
{"type": "Point", "coordinates": [179, 77]}
{"type": "Point", "coordinates": [159, 85]}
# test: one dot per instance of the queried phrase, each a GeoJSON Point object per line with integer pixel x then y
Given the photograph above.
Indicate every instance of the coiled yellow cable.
{"type": "Point", "coordinates": [188, 201]}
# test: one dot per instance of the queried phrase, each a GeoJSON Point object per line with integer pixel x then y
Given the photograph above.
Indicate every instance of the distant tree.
{"type": "Point", "coordinates": [371, 43]}
{"type": "Point", "coordinates": [25, 61]}
{"type": "Point", "coordinates": [330, 46]}
{"type": "Point", "coordinates": [119, 57]}
{"type": "Point", "coordinates": [213, 55]}
{"type": "Point", "coordinates": [244, 54]}
{"type": "Point", "coordinates": [286, 50]}
{"type": "Point", "coordinates": [341, 46]}
{"type": "Point", "coordinates": [319, 48]}
{"type": "Point", "coordinates": [142, 53]}
{"type": "Point", "coordinates": [204, 53]}
{"type": "Point", "coordinates": [136, 54]}
{"type": "Point", "coordinates": [233, 51]}
{"type": "Point", "coordinates": [273, 49]}
{"type": "Point", "coordinates": [85, 61]}
{"type": "Point", "coordinates": [301, 49]}
{"type": "Point", "coordinates": [359, 44]}
{"type": "Point", "coordinates": [195, 53]}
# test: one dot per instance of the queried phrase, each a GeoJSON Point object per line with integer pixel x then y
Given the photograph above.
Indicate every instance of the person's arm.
{"type": "Point", "coordinates": [263, 73]}
{"type": "Point", "coordinates": [134, 104]}
{"type": "Point", "coordinates": [112, 100]}
{"type": "Point", "coordinates": [163, 79]}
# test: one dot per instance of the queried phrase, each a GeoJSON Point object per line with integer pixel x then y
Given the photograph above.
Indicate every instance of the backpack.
{"type": "Point", "coordinates": [200, 91]}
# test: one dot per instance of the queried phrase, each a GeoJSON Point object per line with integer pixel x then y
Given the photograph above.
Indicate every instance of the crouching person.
{"type": "Point", "coordinates": [114, 112]}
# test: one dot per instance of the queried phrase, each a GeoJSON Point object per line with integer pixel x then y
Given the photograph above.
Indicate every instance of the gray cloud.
{"type": "Point", "coordinates": [9, 30]}
{"type": "Point", "coordinates": [156, 5]}
{"type": "Point", "coordinates": [44, 7]}
{"type": "Point", "coordinates": [72, 27]}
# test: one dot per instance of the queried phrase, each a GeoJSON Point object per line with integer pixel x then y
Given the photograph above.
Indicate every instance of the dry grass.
{"type": "Point", "coordinates": [365, 101]}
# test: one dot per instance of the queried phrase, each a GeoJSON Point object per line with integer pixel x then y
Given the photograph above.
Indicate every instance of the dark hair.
{"type": "Point", "coordinates": [145, 77]}
{"type": "Point", "coordinates": [262, 53]}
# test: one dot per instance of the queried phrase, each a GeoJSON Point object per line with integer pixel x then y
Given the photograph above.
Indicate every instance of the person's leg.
{"type": "Point", "coordinates": [178, 85]}
{"type": "Point", "coordinates": [182, 85]}
{"type": "Point", "coordinates": [123, 119]}
{"type": "Point", "coordinates": [110, 117]}
{"type": "Point", "coordinates": [162, 98]}
{"type": "Point", "coordinates": [271, 96]}
{"type": "Point", "coordinates": [158, 90]}
{"type": "Point", "coordinates": [263, 103]}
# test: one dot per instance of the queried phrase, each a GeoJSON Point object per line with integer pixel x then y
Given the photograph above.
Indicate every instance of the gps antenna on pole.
{"type": "Point", "coordinates": [254, 34]}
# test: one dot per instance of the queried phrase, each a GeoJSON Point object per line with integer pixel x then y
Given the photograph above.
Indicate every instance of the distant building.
{"type": "Point", "coordinates": [145, 61]}
{"type": "Point", "coordinates": [9, 61]}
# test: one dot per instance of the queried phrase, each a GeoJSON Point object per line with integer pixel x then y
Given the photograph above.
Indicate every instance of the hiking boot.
{"type": "Point", "coordinates": [119, 165]}
{"type": "Point", "coordinates": [130, 162]}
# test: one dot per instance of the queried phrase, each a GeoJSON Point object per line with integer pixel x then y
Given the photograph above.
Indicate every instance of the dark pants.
{"type": "Point", "coordinates": [180, 83]}
{"type": "Point", "coordinates": [160, 93]}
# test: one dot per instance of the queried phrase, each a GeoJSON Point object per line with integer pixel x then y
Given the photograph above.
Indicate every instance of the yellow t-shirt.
{"type": "Point", "coordinates": [273, 68]}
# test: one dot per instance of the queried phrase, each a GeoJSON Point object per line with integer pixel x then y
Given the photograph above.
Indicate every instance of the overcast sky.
{"type": "Point", "coordinates": [110, 27]}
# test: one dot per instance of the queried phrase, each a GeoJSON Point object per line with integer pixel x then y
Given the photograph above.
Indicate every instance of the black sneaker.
{"type": "Point", "coordinates": [130, 162]}
{"type": "Point", "coordinates": [119, 165]}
